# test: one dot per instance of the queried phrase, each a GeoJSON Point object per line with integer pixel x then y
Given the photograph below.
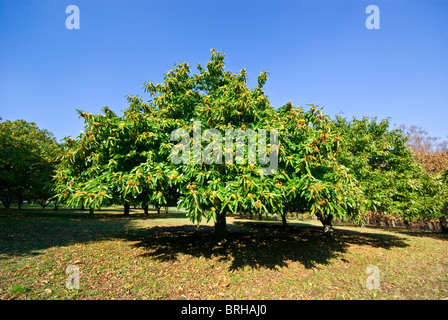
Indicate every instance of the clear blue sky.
{"type": "Point", "coordinates": [316, 52]}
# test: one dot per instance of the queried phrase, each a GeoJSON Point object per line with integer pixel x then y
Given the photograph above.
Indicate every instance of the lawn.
{"type": "Point", "coordinates": [166, 257]}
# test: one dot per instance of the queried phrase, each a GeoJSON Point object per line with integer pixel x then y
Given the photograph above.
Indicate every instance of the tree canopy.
{"type": "Point", "coordinates": [392, 180]}
{"type": "Point", "coordinates": [211, 145]}
{"type": "Point", "coordinates": [28, 157]}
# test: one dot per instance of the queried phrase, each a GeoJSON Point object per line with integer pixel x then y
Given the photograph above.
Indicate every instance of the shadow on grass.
{"type": "Point", "coordinates": [27, 232]}
{"type": "Point", "coordinates": [260, 245]}
{"type": "Point", "coordinates": [99, 213]}
{"type": "Point", "coordinates": [249, 244]}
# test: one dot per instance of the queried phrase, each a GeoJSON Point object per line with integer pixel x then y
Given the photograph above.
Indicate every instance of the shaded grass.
{"type": "Point", "coordinates": [165, 257]}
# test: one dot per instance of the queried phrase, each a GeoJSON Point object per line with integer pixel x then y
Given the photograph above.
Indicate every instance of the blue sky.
{"type": "Point", "coordinates": [316, 52]}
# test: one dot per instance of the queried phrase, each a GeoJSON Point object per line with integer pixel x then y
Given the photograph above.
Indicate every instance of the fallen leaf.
{"type": "Point", "coordinates": [226, 283]}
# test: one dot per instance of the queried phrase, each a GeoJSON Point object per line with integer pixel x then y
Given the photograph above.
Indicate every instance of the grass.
{"type": "Point", "coordinates": [166, 257]}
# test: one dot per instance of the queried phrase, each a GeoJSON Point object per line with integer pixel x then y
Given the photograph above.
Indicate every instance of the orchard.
{"type": "Point", "coordinates": [335, 169]}
{"type": "Point", "coordinates": [208, 144]}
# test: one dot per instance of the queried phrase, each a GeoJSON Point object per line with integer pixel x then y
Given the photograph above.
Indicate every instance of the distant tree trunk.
{"type": "Point", "coordinates": [127, 207]}
{"type": "Point", "coordinates": [284, 222]}
{"type": "Point", "coordinates": [145, 208]}
{"type": "Point", "coordinates": [158, 209]}
{"type": "Point", "coordinates": [90, 212]}
{"type": "Point", "coordinates": [6, 202]}
{"type": "Point", "coordinates": [166, 210]}
{"type": "Point", "coordinates": [443, 224]}
{"type": "Point", "coordinates": [220, 226]}
{"type": "Point", "coordinates": [327, 223]}
{"type": "Point", "coordinates": [56, 206]}
{"type": "Point", "coordinates": [83, 207]}
{"type": "Point", "coordinates": [20, 202]}
{"type": "Point", "coordinates": [43, 204]}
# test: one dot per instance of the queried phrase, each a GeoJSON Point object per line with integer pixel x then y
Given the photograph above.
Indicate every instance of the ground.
{"type": "Point", "coordinates": [166, 257]}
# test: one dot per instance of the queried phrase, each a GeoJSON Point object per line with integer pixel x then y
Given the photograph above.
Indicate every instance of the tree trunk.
{"type": "Point", "coordinates": [328, 230]}
{"type": "Point", "coordinates": [127, 207]}
{"type": "Point", "coordinates": [56, 206]}
{"type": "Point", "coordinates": [90, 212]}
{"type": "Point", "coordinates": [158, 209]}
{"type": "Point", "coordinates": [20, 204]}
{"type": "Point", "coordinates": [326, 222]}
{"type": "Point", "coordinates": [145, 209]}
{"type": "Point", "coordinates": [43, 203]}
{"type": "Point", "coordinates": [6, 203]}
{"type": "Point", "coordinates": [220, 226]}
{"type": "Point", "coordinates": [443, 224]}
{"type": "Point", "coordinates": [284, 223]}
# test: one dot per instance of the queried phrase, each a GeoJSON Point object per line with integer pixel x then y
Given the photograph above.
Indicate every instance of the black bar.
{"type": "Point", "coordinates": [221, 309]}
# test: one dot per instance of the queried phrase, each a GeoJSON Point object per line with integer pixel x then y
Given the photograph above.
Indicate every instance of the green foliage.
{"type": "Point", "coordinates": [28, 157]}
{"type": "Point", "coordinates": [219, 100]}
{"type": "Point", "coordinates": [393, 182]}
{"type": "Point", "coordinates": [117, 160]}
{"type": "Point", "coordinates": [335, 169]}
{"type": "Point", "coordinates": [314, 179]}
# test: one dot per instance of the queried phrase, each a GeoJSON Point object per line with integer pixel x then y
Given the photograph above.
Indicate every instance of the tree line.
{"type": "Point", "coordinates": [333, 168]}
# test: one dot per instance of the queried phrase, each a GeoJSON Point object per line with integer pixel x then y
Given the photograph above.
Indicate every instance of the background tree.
{"type": "Point", "coordinates": [431, 152]}
{"type": "Point", "coordinates": [393, 182]}
{"type": "Point", "coordinates": [28, 157]}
